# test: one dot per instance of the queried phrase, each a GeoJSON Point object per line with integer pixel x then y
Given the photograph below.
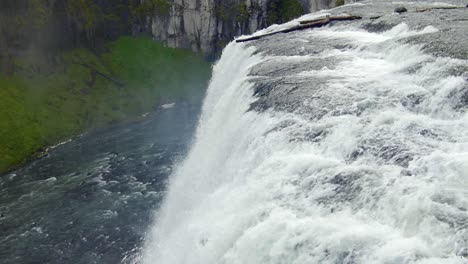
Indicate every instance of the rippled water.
{"type": "Point", "coordinates": [90, 200]}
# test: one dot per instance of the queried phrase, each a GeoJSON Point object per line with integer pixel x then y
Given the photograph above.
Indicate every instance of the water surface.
{"type": "Point", "coordinates": [91, 199]}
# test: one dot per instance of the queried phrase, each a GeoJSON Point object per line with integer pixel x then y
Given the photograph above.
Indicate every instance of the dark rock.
{"type": "Point", "coordinates": [427, 133]}
{"type": "Point", "coordinates": [347, 187]}
{"type": "Point", "coordinates": [412, 100]}
{"type": "Point", "coordinates": [406, 173]}
{"type": "Point", "coordinates": [305, 24]}
{"type": "Point", "coordinates": [379, 26]}
{"type": "Point", "coordinates": [401, 9]}
{"type": "Point", "coordinates": [464, 99]}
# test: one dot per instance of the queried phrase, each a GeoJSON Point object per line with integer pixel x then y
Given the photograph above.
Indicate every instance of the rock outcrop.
{"type": "Point", "coordinates": [200, 25]}
{"type": "Point", "coordinates": [207, 25]}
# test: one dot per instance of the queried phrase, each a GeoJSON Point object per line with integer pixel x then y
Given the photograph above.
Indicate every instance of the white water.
{"type": "Point", "coordinates": [250, 192]}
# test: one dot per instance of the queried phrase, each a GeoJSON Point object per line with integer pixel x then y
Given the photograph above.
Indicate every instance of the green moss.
{"type": "Point", "coordinates": [40, 14]}
{"type": "Point", "coordinates": [232, 12]}
{"type": "Point", "coordinates": [18, 132]}
{"type": "Point", "coordinates": [169, 72]}
{"type": "Point", "coordinates": [84, 12]}
{"type": "Point", "coordinates": [242, 13]}
{"type": "Point", "coordinates": [222, 12]}
{"type": "Point", "coordinates": [140, 10]}
{"type": "Point", "coordinates": [43, 104]}
{"type": "Point", "coordinates": [162, 6]}
{"type": "Point", "coordinates": [85, 15]}
{"type": "Point", "coordinates": [339, 2]}
{"type": "Point", "coordinates": [281, 11]}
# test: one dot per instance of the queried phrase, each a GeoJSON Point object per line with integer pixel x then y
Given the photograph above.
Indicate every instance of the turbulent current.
{"type": "Point", "coordinates": [339, 144]}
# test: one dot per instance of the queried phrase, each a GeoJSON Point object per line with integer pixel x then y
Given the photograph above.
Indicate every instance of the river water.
{"type": "Point", "coordinates": [344, 144]}
{"type": "Point", "coordinates": [91, 200]}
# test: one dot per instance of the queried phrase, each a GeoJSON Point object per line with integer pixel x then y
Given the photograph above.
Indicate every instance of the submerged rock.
{"type": "Point", "coordinates": [401, 9]}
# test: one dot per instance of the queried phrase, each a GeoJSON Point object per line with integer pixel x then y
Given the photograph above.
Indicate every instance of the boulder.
{"type": "Point", "coordinates": [401, 9]}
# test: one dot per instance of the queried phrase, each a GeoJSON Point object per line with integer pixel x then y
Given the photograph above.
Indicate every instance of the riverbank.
{"type": "Point", "coordinates": [50, 99]}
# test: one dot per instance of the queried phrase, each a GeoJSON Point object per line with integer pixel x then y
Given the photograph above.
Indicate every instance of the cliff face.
{"type": "Point", "coordinates": [48, 26]}
{"type": "Point", "coordinates": [207, 25]}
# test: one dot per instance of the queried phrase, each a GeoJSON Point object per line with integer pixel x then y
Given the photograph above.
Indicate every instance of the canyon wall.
{"type": "Point", "coordinates": [207, 25]}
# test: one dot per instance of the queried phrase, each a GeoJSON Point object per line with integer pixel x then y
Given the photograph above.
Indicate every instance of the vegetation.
{"type": "Point", "coordinates": [45, 102]}
{"type": "Point", "coordinates": [84, 14]}
{"type": "Point", "coordinates": [236, 12]}
{"type": "Point", "coordinates": [54, 26]}
{"type": "Point", "coordinates": [242, 13]}
{"type": "Point", "coordinates": [281, 11]}
{"type": "Point", "coordinates": [139, 10]}
{"type": "Point", "coordinates": [64, 66]}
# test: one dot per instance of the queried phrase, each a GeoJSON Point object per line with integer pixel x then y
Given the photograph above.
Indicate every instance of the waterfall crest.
{"type": "Point", "coordinates": [354, 153]}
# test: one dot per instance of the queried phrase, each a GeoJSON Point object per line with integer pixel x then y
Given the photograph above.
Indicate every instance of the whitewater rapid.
{"type": "Point", "coordinates": [370, 166]}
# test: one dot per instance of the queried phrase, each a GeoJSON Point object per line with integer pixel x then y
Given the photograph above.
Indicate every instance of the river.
{"type": "Point", "coordinates": [91, 200]}
{"type": "Point", "coordinates": [341, 144]}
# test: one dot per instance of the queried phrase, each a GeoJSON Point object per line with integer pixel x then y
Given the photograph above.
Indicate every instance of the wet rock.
{"type": "Point", "coordinates": [412, 100]}
{"type": "Point", "coordinates": [463, 102]}
{"type": "Point", "coordinates": [395, 154]}
{"type": "Point", "coordinates": [400, 9]}
{"type": "Point", "coordinates": [305, 24]}
{"type": "Point", "coordinates": [427, 133]}
{"type": "Point", "coordinates": [406, 173]}
{"type": "Point", "coordinates": [346, 187]}
{"type": "Point", "coordinates": [464, 251]}
{"type": "Point", "coordinates": [378, 26]}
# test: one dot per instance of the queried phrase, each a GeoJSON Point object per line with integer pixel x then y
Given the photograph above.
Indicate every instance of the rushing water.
{"type": "Point", "coordinates": [90, 200]}
{"type": "Point", "coordinates": [345, 147]}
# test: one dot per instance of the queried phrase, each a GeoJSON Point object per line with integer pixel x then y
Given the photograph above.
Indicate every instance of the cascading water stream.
{"type": "Point", "coordinates": [371, 166]}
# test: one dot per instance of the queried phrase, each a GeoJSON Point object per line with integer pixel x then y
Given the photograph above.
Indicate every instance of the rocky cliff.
{"type": "Point", "coordinates": [207, 25]}
{"type": "Point", "coordinates": [200, 25]}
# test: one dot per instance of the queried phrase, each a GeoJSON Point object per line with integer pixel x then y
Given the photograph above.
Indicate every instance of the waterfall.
{"type": "Point", "coordinates": [369, 166]}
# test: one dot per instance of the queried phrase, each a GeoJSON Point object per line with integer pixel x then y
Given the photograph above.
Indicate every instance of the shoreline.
{"type": "Point", "coordinates": [41, 109]}
{"type": "Point", "coordinates": [43, 152]}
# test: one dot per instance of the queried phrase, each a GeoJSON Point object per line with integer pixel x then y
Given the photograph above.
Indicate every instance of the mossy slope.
{"type": "Point", "coordinates": [43, 103]}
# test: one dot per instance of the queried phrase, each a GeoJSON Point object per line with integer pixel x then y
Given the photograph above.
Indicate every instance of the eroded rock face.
{"type": "Point", "coordinates": [207, 25]}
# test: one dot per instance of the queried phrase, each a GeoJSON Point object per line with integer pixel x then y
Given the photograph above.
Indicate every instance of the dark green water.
{"type": "Point", "coordinates": [90, 200]}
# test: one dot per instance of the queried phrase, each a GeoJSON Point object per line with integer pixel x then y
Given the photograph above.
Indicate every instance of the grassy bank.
{"type": "Point", "coordinates": [49, 99]}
